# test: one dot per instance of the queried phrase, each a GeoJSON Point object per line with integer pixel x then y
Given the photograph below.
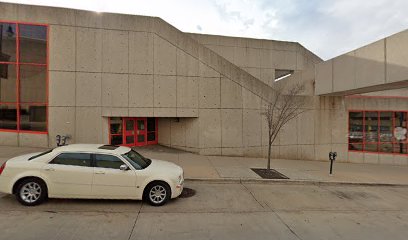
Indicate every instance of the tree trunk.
{"type": "Point", "coordinates": [269, 155]}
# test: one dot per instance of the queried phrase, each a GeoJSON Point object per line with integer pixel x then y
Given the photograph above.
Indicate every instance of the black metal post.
{"type": "Point", "coordinates": [331, 166]}
{"type": "Point", "coordinates": [332, 157]}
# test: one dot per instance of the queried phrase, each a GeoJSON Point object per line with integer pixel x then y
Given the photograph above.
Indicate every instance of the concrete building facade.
{"type": "Point", "coordinates": [135, 80]}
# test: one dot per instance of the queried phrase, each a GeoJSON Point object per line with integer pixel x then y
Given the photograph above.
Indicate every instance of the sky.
{"type": "Point", "coordinates": [326, 27]}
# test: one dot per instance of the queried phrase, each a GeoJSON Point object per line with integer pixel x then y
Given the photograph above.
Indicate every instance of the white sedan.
{"type": "Point", "coordinates": [90, 171]}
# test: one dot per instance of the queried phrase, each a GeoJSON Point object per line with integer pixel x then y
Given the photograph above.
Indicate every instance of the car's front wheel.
{"type": "Point", "coordinates": [31, 192]}
{"type": "Point", "coordinates": [157, 193]}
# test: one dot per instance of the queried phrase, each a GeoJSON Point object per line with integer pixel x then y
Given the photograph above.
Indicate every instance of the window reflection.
{"type": "Point", "coordinates": [8, 117]}
{"type": "Point", "coordinates": [8, 81]}
{"type": "Point", "coordinates": [33, 118]}
{"type": "Point", "coordinates": [33, 44]}
{"type": "Point", "coordinates": [33, 84]}
{"type": "Point", "coordinates": [8, 42]}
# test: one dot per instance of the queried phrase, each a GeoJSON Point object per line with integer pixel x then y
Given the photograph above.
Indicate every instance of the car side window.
{"type": "Point", "coordinates": [107, 161]}
{"type": "Point", "coordinates": [73, 159]}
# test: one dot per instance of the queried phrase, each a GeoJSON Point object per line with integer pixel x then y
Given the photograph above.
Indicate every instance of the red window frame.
{"type": "Point", "coordinates": [123, 134]}
{"type": "Point", "coordinates": [17, 63]}
{"type": "Point", "coordinates": [378, 143]}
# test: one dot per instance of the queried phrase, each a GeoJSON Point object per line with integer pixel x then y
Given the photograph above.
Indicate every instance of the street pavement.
{"type": "Point", "coordinates": [221, 211]}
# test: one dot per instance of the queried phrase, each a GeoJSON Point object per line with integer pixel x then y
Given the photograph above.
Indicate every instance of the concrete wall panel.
{"type": "Point", "coordinates": [178, 133]}
{"type": "Point", "coordinates": [209, 93]}
{"type": "Point", "coordinates": [187, 92]}
{"type": "Point", "coordinates": [61, 88]}
{"type": "Point", "coordinates": [164, 131]}
{"type": "Point", "coordinates": [32, 140]}
{"type": "Point", "coordinates": [231, 94]}
{"type": "Point", "coordinates": [165, 57]}
{"type": "Point", "coordinates": [252, 128]}
{"type": "Point", "coordinates": [141, 90]}
{"type": "Point", "coordinates": [47, 15]}
{"type": "Point", "coordinates": [231, 121]}
{"type": "Point", "coordinates": [61, 122]}
{"type": "Point", "coordinates": [141, 52]}
{"type": "Point", "coordinates": [115, 57]}
{"type": "Point", "coordinates": [344, 72]}
{"type": "Point", "coordinates": [89, 50]}
{"type": "Point", "coordinates": [115, 90]}
{"type": "Point", "coordinates": [192, 132]}
{"type": "Point", "coordinates": [165, 91]}
{"type": "Point", "coordinates": [62, 48]}
{"type": "Point", "coordinates": [370, 65]}
{"type": "Point", "coordinates": [88, 89]}
{"type": "Point", "coordinates": [324, 77]}
{"type": "Point", "coordinates": [8, 139]}
{"type": "Point", "coordinates": [397, 57]}
{"type": "Point", "coordinates": [9, 12]}
{"type": "Point", "coordinates": [88, 127]}
{"type": "Point", "coordinates": [210, 128]}
{"type": "Point", "coordinates": [187, 65]}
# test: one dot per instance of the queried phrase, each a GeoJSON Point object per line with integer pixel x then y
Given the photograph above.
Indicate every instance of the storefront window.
{"type": "Point", "coordinates": [23, 77]}
{"type": "Point", "coordinates": [375, 131]}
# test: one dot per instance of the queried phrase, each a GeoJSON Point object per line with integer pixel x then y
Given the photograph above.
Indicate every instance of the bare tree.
{"type": "Point", "coordinates": [285, 105]}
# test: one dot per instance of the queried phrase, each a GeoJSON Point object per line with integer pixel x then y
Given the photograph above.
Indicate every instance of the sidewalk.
{"type": "Point", "coordinates": [239, 168]}
{"type": "Point", "coordinates": [199, 167]}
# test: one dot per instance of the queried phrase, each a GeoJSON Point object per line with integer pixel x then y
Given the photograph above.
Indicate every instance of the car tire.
{"type": "Point", "coordinates": [31, 192]}
{"type": "Point", "coordinates": [157, 193]}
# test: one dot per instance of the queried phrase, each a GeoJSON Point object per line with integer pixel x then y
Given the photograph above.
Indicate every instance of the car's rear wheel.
{"type": "Point", "coordinates": [31, 192]}
{"type": "Point", "coordinates": [157, 193]}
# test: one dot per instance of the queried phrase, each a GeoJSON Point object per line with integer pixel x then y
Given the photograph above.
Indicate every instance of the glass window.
{"type": "Point", "coordinates": [374, 131]}
{"type": "Point", "coordinates": [8, 117]}
{"type": "Point", "coordinates": [129, 125]}
{"type": "Point", "coordinates": [23, 107]}
{"type": "Point", "coordinates": [33, 118]}
{"type": "Point", "coordinates": [73, 159]}
{"type": "Point", "coordinates": [108, 161]}
{"type": "Point", "coordinates": [8, 41]}
{"type": "Point", "coordinates": [116, 125]}
{"type": "Point", "coordinates": [8, 82]}
{"type": "Point", "coordinates": [33, 84]}
{"type": "Point", "coordinates": [371, 126]}
{"type": "Point", "coordinates": [151, 124]}
{"type": "Point", "coordinates": [116, 140]}
{"type": "Point", "coordinates": [151, 136]}
{"type": "Point", "coordinates": [137, 160]}
{"type": "Point", "coordinates": [33, 44]}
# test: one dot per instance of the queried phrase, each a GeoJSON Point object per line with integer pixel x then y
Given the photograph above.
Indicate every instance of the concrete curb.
{"type": "Point", "coordinates": [288, 181]}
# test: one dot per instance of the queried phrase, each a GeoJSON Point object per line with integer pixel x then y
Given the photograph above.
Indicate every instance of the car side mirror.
{"type": "Point", "coordinates": [124, 167]}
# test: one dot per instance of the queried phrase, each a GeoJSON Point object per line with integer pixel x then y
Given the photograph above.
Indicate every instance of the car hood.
{"type": "Point", "coordinates": [164, 167]}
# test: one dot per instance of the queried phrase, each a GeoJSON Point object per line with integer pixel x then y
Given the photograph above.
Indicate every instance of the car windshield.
{"type": "Point", "coordinates": [39, 155]}
{"type": "Point", "coordinates": [137, 160]}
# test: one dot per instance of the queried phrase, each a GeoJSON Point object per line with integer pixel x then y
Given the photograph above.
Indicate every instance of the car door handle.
{"type": "Point", "coordinates": [100, 172]}
{"type": "Point", "coordinates": [49, 169]}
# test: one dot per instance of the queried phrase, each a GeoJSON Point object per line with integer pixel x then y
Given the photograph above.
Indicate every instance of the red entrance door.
{"type": "Point", "coordinates": [135, 131]}
{"type": "Point", "coordinates": [129, 126]}
{"type": "Point", "coordinates": [140, 128]}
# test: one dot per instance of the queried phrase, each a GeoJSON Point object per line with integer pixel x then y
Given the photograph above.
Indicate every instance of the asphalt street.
{"type": "Point", "coordinates": [221, 211]}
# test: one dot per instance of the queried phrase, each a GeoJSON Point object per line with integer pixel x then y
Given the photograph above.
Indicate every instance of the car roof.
{"type": "Point", "coordinates": [95, 148]}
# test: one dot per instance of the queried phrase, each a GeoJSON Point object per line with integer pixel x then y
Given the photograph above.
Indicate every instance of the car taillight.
{"type": "Point", "coordinates": [2, 168]}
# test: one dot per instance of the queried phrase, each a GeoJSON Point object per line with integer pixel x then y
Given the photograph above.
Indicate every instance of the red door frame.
{"type": "Point", "coordinates": [141, 131]}
{"type": "Point", "coordinates": [134, 132]}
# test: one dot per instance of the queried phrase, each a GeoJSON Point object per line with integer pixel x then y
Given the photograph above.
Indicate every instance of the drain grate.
{"type": "Point", "coordinates": [269, 174]}
{"type": "Point", "coordinates": [187, 192]}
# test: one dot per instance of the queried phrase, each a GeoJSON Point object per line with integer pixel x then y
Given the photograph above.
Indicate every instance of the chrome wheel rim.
{"type": "Point", "coordinates": [157, 194]}
{"type": "Point", "coordinates": [30, 192]}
